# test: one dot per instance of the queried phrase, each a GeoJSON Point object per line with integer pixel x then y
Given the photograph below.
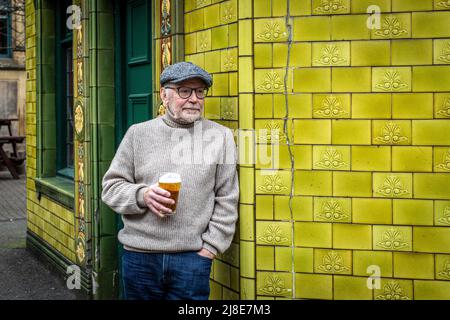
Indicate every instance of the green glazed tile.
{"type": "Point", "coordinates": [391, 79]}
{"type": "Point", "coordinates": [273, 182]}
{"type": "Point", "coordinates": [300, 55]}
{"type": "Point", "coordinates": [352, 184]}
{"type": "Point", "coordinates": [441, 51]}
{"type": "Point", "coordinates": [349, 27]}
{"type": "Point", "coordinates": [441, 5]}
{"type": "Point", "coordinates": [391, 132]}
{"type": "Point", "coordinates": [393, 26]}
{"type": "Point", "coordinates": [431, 132]}
{"type": "Point", "coordinates": [311, 28]}
{"type": "Point", "coordinates": [304, 258]}
{"type": "Point", "coordinates": [351, 288]}
{"type": "Point", "coordinates": [431, 290]}
{"type": "Point", "coordinates": [270, 80]}
{"type": "Point", "coordinates": [412, 5]}
{"type": "Point", "coordinates": [283, 258]}
{"type": "Point", "coordinates": [442, 213]}
{"type": "Point", "coordinates": [246, 222]}
{"type": "Point", "coordinates": [423, 265]}
{"type": "Point", "coordinates": [372, 211]}
{"type": "Point", "coordinates": [263, 55]}
{"type": "Point", "coordinates": [300, 8]}
{"type": "Point", "coordinates": [247, 259]}
{"type": "Point", "coordinates": [351, 132]}
{"type": "Point", "coordinates": [228, 59]}
{"type": "Point", "coordinates": [352, 236]}
{"type": "Point", "coordinates": [441, 159]}
{"type": "Point", "coordinates": [281, 208]}
{"type": "Point", "coordinates": [431, 24]}
{"type": "Point", "coordinates": [371, 53]}
{"type": "Point", "coordinates": [332, 209]}
{"type": "Point", "coordinates": [265, 258]}
{"type": "Point", "coordinates": [372, 105]}
{"type": "Point", "coordinates": [204, 41]}
{"type": "Point", "coordinates": [412, 52]}
{"type": "Point", "coordinates": [442, 267]}
{"type": "Point", "coordinates": [363, 259]}
{"type": "Point", "coordinates": [412, 159]}
{"type": "Point", "coordinates": [392, 238]}
{"type": "Point", "coordinates": [371, 158]}
{"type": "Point", "coordinates": [412, 105]}
{"type": "Point", "coordinates": [413, 212]}
{"type": "Point", "coordinates": [312, 131]}
{"type": "Point", "coordinates": [361, 6]}
{"type": "Point", "coordinates": [315, 183]}
{"type": "Point", "coordinates": [263, 105]}
{"type": "Point", "coordinates": [432, 185]}
{"type": "Point", "coordinates": [261, 8]}
{"type": "Point", "coordinates": [314, 286]}
{"type": "Point", "coordinates": [247, 289]}
{"type": "Point", "coordinates": [313, 234]}
{"type": "Point", "coordinates": [270, 30]}
{"type": "Point", "coordinates": [431, 239]}
{"type": "Point", "coordinates": [302, 157]}
{"type": "Point", "coordinates": [394, 289]}
{"type": "Point", "coordinates": [228, 11]}
{"type": "Point", "coordinates": [264, 207]}
{"type": "Point", "coordinates": [431, 79]}
{"type": "Point", "coordinates": [330, 7]}
{"type": "Point", "coordinates": [312, 80]}
{"type": "Point", "coordinates": [303, 208]}
{"type": "Point", "coordinates": [442, 105]}
{"type": "Point", "coordinates": [219, 37]}
{"type": "Point", "coordinates": [276, 284]}
{"type": "Point", "coordinates": [354, 79]}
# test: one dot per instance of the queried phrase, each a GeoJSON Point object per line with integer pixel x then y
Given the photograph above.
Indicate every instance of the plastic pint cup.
{"type": "Point", "coordinates": [171, 182]}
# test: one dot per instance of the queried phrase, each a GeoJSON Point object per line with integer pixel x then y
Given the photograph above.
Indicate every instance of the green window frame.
{"type": "Point", "coordinates": [5, 29]}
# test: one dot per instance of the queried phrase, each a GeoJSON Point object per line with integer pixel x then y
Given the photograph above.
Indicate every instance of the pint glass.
{"type": "Point", "coordinates": [171, 182]}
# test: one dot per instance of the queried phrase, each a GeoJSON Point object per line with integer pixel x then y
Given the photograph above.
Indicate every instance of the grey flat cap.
{"type": "Point", "coordinates": [182, 71]}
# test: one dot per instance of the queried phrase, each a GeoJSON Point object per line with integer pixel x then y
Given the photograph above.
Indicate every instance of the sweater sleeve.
{"type": "Point", "coordinates": [120, 192]}
{"type": "Point", "coordinates": [222, 225]}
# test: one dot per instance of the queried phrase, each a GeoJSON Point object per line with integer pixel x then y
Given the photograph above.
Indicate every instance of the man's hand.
{"type": "Point", "coordinates": [155, 198]}
{"type": "Point", "coordinates": [206, 253]}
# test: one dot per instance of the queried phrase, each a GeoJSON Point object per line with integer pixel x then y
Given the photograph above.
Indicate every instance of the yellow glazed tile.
{"type": "Point", "coordinates": [312, 80]}
{"type": "Point", "coordinates": [331, 54]}
{"type": "Point", "coordinates": [246, 222]}
{"type": "Point", "coordinates": [263, 55]}
{"type": "Point", "coordinates": [300, 54]}
{"type": "Point", "coordinates": [413, 212]}
{"type": "Point", "coordinates": [372, 211]}
{"type": "Point", "coordinates": [303, 208]}
{"type": "Point", "coordinates": [261, 8]}
{"type": "Point", "coordinates": [281, 207]}
{"type": "Point", "coordinates": [373, 105]}
{"type": "Point", "coordinates": [228, 60]}
{"type": "Point", "coordinates": [371, 158]}
{"type": "Point", "coordinates": [212, 108]}
{"type": "Point", "coordinates": [361, 6]}
{"type": "Point", "coordinates": [247, 289]}
{"type": "Point", "coordinates": [220, 84]}
{"type": "Point", "coordinates": [431, 24]}
{"type": "Point", "coordinates": [245, 74]}
{"type": "Point", "coordinates": [246, 185]}
{"type": "Point", "coordinates": [412, 52]}
{"type": "Point", "coordinates": [312, 28]}
{"type": "Point", "coordinates": [433, 78]}
{"type": "Point", "coordinates": [190, 43]}
{"type": "Point", "coordinates": [412, 159]}
{"type": "Point", "coordinates": [228, 11]}
{"type": "Point", "coordinates": [371, 53]}
{"type": "Point", "coordinates": [283, 158]}
{"type": "Point", "coordinates": [283, 258]}
{"type": "Point", "coordinates": [314, 286]}
{"type": "Point", "coordinates": [233, 83]}
{"type": "Point", "coordinates": [352, 236]}
{"type": "Point", "coordinates": [392, 185]}
{"type": "Point", "coordinates": [333, 261]}
{"type": "Point", "coordinates": [441, 51]}
{"type": "Point", "coordinates": [211, 16]}
{"type": "Point", "coordinates": [431, 290]}
{"type": "Point", "coordinates": [315, 183]}
{"type": "Point", "coordinates": [423, 265]}
{"type": "Point", "coordinates": [330, 7]}
{"type": "Point", "coordinates": [313, 234]}
{"type": "Point", "coordinates": [349, 27]}
{"type": "Point", "coordinates": [280, 51]}
{"type": "Point", "coordinates": [354, 79]}
{"type": "Point", "coordinates": [412, 5]}
{"type": "Point", "coordinates": [273, 182]}
{"type": "Point", "coordinates": [304, 258]}
{"type": "Point", "coordinates": [229, 108]}
{"type": "Point", "coordinates": [270, 30]}
{"type": "Point", "coordinates": [263, 105]}
{"type": "Point", "coordinates": [442, 267]}
{"type": "Point", "coordinates": [300, 7]}
{"type": "Point", "coordinates": [393, 289]}
{"type": "Point", "coordinates": [246, 111]}
{"type": "Point", "coordinates": [245, 37]}
{"type": "Point", "coordinates": [331, 106]}
{"type": "Point", "coordinates": [391, 79]}
{"type": "Point", "coordinates": [331, 158]}
{"type": "Point", "coordinates": [363, 259]}
{"type": "Point", "coordinates": [351, 132]}
{"type": "Point", "coordinates": [270, 80]}
{"type": "Point", "coordinates": [431, 239]}
{"type": "Point", "coordinates": [412, 105]}
{"type": "Point", "coordinates": [274, 284]}
{"type": "Point", "coordinates": [247, 258]}
{"type": "Point", "coordinates": [432, 185]}
{"type": "Point", "coordinates": [219, 37]}
{"type": "Point", "coordinates": [279, 105]}
{"type": "Point", "coordinates": [273, 233]}
{"type": "Point", "coordinates": [352, 184]}
{"type": "Point", "coordinates": [441, 5]}
{"type": "Point", "coordinates": [265, 258]}
{"type": "Point", "coordinates": [332, 209]}
{"type": "Point", "coordinates": [442, 159]}
{"type": "Point", "coordinates": [312, 131]}
{"type": "Point", "coordinates": [212, 61]}
{"type": "Point", "coordinates": [198, 59]}
{"type": "Point", "coordinates": [302, 157]}
{"type": "Point", "coordinates": [271, 131]}
{"type": "Point", "coordinates": [431, 132]}
{"type": "Point", "coordinates": [391, 132]}
{"type": "Point", "coordinates": [393, 26]}
{"type": "Point", "coordinates": [264, 207]}
{"type": "Point", "coordinates": [233, 34]}
{"type": "Point", "coordinates": [392, 238]}
{"type": "Point", "coordinates": [351, 288]}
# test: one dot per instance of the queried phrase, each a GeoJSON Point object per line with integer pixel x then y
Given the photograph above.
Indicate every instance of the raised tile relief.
{"type": "Point", "coordinates": [391, 28]}
{"type": "Point", "coordinates": [392, 291]}
{"type": "Point", "coordinates": [391, 134]}
{"type": "Point", "coordinates": [392, 239]}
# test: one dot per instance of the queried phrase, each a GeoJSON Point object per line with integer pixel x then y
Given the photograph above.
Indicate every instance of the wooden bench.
{"type": "Point", "coordinates": [11, 161]}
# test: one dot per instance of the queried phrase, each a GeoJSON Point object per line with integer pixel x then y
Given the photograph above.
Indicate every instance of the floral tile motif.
{"type": "Point", "coordinates": [444, 164]}
{"type": "Point", "coordinates": [331, 106]}
{"type": "Point", "coordinates": [270, 30]}
{"type": "Point", "coordinates": [229, 108]}
{"type": "Point", "coordinates": [332, 209]}
{"type": "Point", "coordinates": [392, 186]}
{"type": "Point", "coordinates": [444, 56]}
{"type": "Point", "coordinates": [332, 261]}
{"type": "Point", "coordinates": [442, 210]}
{"type": "Point", "coordinates": [392, 238]}
{"type": "Point", "coordinates": [444, 110]}
{"type": "Point", "coordinates": [331, 6]}
{"type": "Point", "coordinates": [391, 133]}
{"type": "Point", "coordinates": [273, 233]}
{"type": "Point", "coordinates": [269, 81]}
{"type": "Point", "coordinates": [271, 131]}
{"type": "Point", "coordinates": [442, 4]}
{"type": "Point", "coordinates": [443, 267]}
{"type": "Point", "coordinates": [274, 284]}
{"type": "Point", "coordinates": [393, 291]}
{"type": "Point", "coordinates": [228, 12]}
{"type": "Point", "coordinates": [391, 80]}
{"type": "Point", "coordinates": [273, 184]}
{"type": "Point", "coordinates": [332, 158]}
{"type": "Point", "coordinates": [331, 54]}
{"type": "Point", "coordinates": [393, 26]}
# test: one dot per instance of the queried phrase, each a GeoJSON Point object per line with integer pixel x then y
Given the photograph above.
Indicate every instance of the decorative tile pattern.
{"type": "Point", "coordinates": [331, 106]}
{"type": "Point", "coordinates": [332, 209]}
{"type": "Point", "coordinates": [392, 238]}
{"type": "Point", "coordinates": [331, 6]}
{"type": "Point", "coordinates": [444, 109]}
{"type": "Point", "coordinates": [331, 54]}
{"type": "Point", "coordinates": [444, 162]}
{"type": "Point", "coordinates": [274, 284]}
{"type": "Point", "coordinates": [271, 81]}
{"type": "Point", "coordinates": [392, 291]}
{"type": "Point", "coordinates": [273, 233]}
{"type": "Point", "coordinates": [442, 213]}
{"type": "Point", "coordinates": [391, 133]}
{"type": "Point", "coordinates": [333, 261]}
{"type": "Point", "coordinates": [332, 158]}
{"type": "Point", "coordinates": [166, 41]}
{"type": "Point", "coordinates": [270, 30]}
{"type": "Point", "coordinates": [443, 4]}
{"type": "Point", "coordinates": [272, 131]}
{"type": "Point", "coordinates": [392, 80]}
{"type": "Point", "coordinates": [393, 26]}
{"type": "Point", "coordinates": [393, 186]}
{"type": "Point", "coordinates": [443, 267]}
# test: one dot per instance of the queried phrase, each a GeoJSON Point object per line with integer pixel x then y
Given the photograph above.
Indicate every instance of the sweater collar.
{"type": "Point", "coordinates": [176, 123]}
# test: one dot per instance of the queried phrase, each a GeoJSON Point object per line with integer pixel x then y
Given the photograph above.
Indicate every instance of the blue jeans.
{"type": "Point", "coordinates": [165, 276]}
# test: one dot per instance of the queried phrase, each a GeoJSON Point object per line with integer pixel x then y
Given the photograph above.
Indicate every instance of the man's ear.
{"type": "Point", "coordinates": [163, 95]}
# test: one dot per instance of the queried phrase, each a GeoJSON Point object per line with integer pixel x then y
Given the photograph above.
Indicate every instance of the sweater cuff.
{"type": "Point", "coordinates": [210, 248]}
{"type": "Point", "coordinates": [140, 197]}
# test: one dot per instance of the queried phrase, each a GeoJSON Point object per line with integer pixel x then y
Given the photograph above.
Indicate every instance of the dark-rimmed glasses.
{"type": "Point", "coordinates": [185, 92]}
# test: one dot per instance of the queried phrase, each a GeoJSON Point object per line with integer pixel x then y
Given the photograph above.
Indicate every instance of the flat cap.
{"type": "Point", "coordinates": [182, 71]}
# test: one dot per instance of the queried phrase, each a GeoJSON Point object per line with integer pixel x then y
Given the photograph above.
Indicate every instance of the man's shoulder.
{"type": "Point", "coordinates": [209, 124]}
{"type": "Point", "coordinates": [146, 125]}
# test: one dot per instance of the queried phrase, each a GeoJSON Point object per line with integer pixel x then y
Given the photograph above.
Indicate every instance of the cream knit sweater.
{"type": "Point", "coordinates": [207, 205]}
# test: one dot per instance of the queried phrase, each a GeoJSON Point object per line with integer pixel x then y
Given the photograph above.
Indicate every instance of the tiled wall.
{"type": "Point", "coordinates": [211, 41]}
{"type": "Point", "coordinates": [50, 221]}
{"type": "Point", "coordinates": [367, 118]}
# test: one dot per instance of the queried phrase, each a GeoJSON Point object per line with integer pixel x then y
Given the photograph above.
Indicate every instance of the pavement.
{"type": "Point", "coordinates": [22, 275]}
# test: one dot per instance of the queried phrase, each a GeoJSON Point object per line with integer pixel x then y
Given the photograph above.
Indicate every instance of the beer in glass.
{"type": "Point", "coordinates": [171, 182]}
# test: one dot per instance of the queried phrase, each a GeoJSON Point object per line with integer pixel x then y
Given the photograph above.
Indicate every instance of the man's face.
{"type": "Point", "coordinates": [186, 109]}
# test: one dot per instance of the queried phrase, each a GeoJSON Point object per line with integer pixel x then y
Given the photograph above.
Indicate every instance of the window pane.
{"type": "Point", "coordinates": [3, 35]}
{"type": "Point", "coordinates": [69, 106]}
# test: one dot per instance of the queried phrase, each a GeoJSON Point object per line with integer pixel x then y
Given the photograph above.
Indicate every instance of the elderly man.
{"type": "Point", "coordinates": [169, 256]}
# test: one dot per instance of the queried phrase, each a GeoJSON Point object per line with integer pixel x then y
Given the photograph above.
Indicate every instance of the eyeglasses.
{"type": "Point", "coordinates": [186, 92]}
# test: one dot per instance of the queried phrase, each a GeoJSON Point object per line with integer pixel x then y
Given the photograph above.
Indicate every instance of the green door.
{"type": "Point", "coordinates": [133, 72]}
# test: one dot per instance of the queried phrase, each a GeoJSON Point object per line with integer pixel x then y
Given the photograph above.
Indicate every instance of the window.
{"type": "Point", "coordinates": [5, 28]}
{"type": "Point", "coordinates": [64, 94]}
